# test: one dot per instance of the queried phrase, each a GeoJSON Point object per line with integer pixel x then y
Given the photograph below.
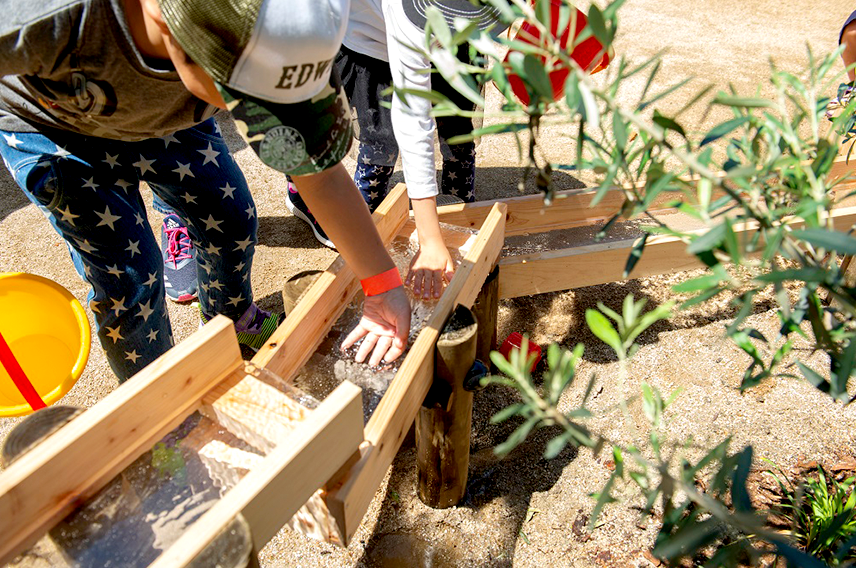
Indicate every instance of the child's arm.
{"type": "Point", "coordinates": [432, 263]}
{"type": "Point", "coordinates": [341, 211]}
{"type": "Point", "coordinates": [414, 131]}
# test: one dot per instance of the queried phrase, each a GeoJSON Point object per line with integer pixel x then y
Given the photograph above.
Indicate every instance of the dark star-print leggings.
{"type": "Point", "coordinates": [365, 79]}
{"type": "Point", "coordinates": [89, 189]}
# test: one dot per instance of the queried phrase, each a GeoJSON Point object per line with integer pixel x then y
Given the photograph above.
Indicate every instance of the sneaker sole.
{"type": "Point", "coordinates": [301, 215]}
{"type": "Point", "coordinates": [182, 298]}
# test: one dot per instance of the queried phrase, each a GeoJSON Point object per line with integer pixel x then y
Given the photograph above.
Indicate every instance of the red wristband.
{"type": "Point", "coordinates": [380, 283]}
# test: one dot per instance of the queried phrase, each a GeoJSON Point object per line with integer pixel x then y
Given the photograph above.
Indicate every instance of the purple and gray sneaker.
{"type": "Point", "coordinates": [179, 260]}
{"type": "Point", "coordinates": [254, 327]}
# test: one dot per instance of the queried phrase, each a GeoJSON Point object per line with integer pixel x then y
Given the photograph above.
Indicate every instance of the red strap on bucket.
{"type": "Point", "coordinates": [25, 387]}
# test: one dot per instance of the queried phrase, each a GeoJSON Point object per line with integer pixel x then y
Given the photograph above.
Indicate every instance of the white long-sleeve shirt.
{"type": "Point", "coordinates": [380, 29]}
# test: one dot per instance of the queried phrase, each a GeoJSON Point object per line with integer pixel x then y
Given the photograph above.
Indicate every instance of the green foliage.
{"type": "Point", "coordinates": [822, 515]}
{"type": "Point", "coordinates": [759, 182]}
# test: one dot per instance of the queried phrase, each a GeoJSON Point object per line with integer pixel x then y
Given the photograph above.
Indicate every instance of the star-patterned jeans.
{"type": "Point", "coordinates": [365, 79]}
{"type": "Point", "coordinates": [89, 190]}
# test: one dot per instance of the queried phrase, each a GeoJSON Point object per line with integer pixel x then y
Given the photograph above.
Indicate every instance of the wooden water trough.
{"type": "Point", "coordinates": [321, 468]}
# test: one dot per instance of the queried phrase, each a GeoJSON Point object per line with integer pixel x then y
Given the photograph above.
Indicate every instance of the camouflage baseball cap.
{"type": "Point", "coordinates": [272, 61]}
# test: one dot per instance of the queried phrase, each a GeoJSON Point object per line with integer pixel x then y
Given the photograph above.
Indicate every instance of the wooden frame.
{"type": "Point", "coordinates": [95, 446]}
{"type": "Point", "coordinates": [206, 372]}
{"type": "Point", "coordinates": [270, 494]}
{"type": "Point", "coordinates": [398, 407]}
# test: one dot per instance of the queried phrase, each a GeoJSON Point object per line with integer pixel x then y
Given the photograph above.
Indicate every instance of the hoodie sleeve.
{"type": "Point", "coordinates": [411, 118]}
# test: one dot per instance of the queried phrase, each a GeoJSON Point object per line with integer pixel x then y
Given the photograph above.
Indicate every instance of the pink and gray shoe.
{"type": "Point", "coordinates": [179, 260]}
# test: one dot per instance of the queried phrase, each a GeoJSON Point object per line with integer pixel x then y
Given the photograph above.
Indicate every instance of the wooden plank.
{"type": "Point", "coordinates": [270, 494]}
{"type": "Point", "coordinates": [590, 265]}
{"type": "Point", "coordinates": [296, 339]}
{"type": "Point", "coordinates": [256, 412]}
{"type": "Point", "coordinates": [43, 486]}
{"type": "Point", "coordinates": [349, 500]}
{"type": "Point", "coordinates": [572, 208]}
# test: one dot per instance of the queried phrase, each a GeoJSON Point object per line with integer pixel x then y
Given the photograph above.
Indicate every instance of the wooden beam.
{"type": "Point", "coordinates": [572, 207]}
{"type": "Point", "coordinates": [72, 464]}
{"type": "Point", "coordinates": [296, 339]}
{"type": "Point", "coordinates": [397, 409]}
{"type": "Point", "coordinates": [590, 265]}
{"type": "Point", "coordinates": [256, 412]}
{"type": "Point", "coordinates": [272, 492]}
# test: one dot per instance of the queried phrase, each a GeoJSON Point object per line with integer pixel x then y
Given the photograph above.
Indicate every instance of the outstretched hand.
{"type": "Point", "coordinates": [384, 326]}
{"type": "Point", "coordinates": [430, 269]}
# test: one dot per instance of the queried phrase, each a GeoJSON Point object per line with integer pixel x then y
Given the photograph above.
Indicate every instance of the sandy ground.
{"type": "Point", "coordinates": [525, 511]}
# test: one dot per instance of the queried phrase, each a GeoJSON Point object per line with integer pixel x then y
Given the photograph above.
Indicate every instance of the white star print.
{"type": "Point", "coordinates": [12, 140]}
{"type": "Point", "coordinates": [145, 311]}
{"type": "Point", "coordinates": [61, 152]}
{"type": "Point", "coordinates": [168, 139]}
{"type": "Point", "coordinates": [235, 301]}
{"type": "Point", "coordinates": [85, 246]}
{"type": "Point", "coordinates": [123, 184]}
{"type": "Point", "coordinates": [452, 175]}
{"type": "Point", "coordinates": [211, 223]}
{"type": "Point", "coordinates": [114, 270]}
{"type": "Point", "coordinates": [246, 275]}
{"type": "Point", "coordinates": [242, 245]}
{"type": "Point", "coordinates": [153, 278]}
{"type": "Point", "coordinates": [239, 267]}
{"type": "Point", "coordinates": [139, 218]}
{"type": "Point", "coordinates": [118, 305]}
{"type": "Point", "coordinates": [213, 250]}
{"type": "Point", "coordinates": [108, 218]}
{"type": "Point", "coordinates": [250, 212]}
{"type": "Point", "coordinates": [90, 183]}
{"type": "Point", "coordinates": [145, 165]}
{"type": "Point", "coordinates": [374, 183]}
{"type": "Point", "coordinates": [87, 270]}
{"type": "Point", "coordinates": [189, 198]}
{"type": "Point", "coordinates": [93, 305]}
{"type": "Point", "coordinates": [132, 356]}
{"type": "Point", "coordinates": [210, 155]}
{"type": "Point", "coordinates": [210, 301]}
{"type": "Point", "coordinates": [217, 127]}
{"type": "Point", "coordinates": [133, 247]}
{"type": "Point", "coordinates": [203, 286]}
{"type": "Point", "coordinates": [183, 170]}
{"type": "Point", "coordinates": [153, 335]}
{"type": "Point", "coordinates": [215, 284]}
{"type": "Point", "coordinates": [114, 334]}
{"type": "Point", "coordinates": [228, 190]}
{"type": "Point", "coordinates": [67, 215]}
{"type": "Point", "coordinates": [205, 267]}
{"type": "Point", "coordinates": [111, 161]}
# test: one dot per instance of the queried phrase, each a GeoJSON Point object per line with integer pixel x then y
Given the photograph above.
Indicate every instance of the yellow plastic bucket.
{"type": "Point", "coordinates": [46, 330]}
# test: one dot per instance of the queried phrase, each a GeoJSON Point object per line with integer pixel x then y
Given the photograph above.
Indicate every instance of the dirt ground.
{"type": "Point", "coordinates": [525, 511]}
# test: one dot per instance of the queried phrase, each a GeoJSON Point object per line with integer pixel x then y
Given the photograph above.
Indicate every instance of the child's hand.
{"type": "Point", "coordinates": [384, 327]}
{"type": "Point", "coordinates": [430, 266]}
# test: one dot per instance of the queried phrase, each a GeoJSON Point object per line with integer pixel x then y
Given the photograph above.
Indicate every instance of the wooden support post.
{"type": "Point", "coordinates": [486, 308]}
{"type": "Point", "coordinates": [444, 422]}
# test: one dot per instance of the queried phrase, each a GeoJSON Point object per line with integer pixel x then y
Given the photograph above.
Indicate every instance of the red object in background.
{"type": "Point", "coordinates": [515, 340]}
{"type": "Point", "coordinates": [584, 54]}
